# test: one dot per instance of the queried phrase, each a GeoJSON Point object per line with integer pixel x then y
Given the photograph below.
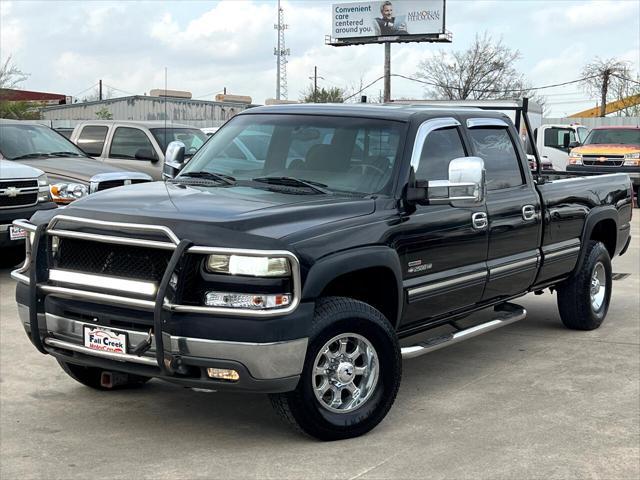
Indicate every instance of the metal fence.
{"type": "Point", "coordinates": [592, 122]}
{"type": "Point", "coordinates": [197, 113]}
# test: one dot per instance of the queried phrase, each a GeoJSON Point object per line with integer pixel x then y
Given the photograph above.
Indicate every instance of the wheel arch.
{"type": "Point", "coordinates": [601, 225]}
{"type": "Point", "coordinates": [343, 274]}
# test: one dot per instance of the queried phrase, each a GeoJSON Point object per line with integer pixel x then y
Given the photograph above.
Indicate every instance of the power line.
{"type": "Point", "coordinates": [86, 89]}
{"type": "Point", "coordinates": [625, 78]}
{"type": "Point", "coordinates": [509, 90]}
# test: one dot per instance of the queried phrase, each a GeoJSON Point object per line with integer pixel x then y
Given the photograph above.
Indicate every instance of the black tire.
{"type": "Point", "coordinates": [335, 316]}
{"type": "Point", "coordinates": [574, 295]}
{"type": "Point", "coordinates": [12, 256]}
{"type": "Point", "coordinates": [90, 377]}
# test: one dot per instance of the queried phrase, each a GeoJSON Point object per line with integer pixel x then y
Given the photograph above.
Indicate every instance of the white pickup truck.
{"type": "Point", "coordinates": [554, 141]}
{"type": "Point", "coordinates": [134, 145]}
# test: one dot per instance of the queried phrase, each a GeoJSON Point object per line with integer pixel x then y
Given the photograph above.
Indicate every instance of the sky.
{"type": "Point", "coordinates": [67, 46]}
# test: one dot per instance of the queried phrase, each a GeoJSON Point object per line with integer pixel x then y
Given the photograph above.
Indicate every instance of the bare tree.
{"type": "Point", "coordinates": [10, 75]}
{"type": "Point", "coordinates": [609, 78]}
{"type": "Point", "coordinates": [486, 70]}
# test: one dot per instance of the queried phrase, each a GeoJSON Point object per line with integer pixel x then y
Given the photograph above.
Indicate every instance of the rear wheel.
{"type": "Point", "coordinates": [101, 379]}
{"type": "Point", "coordinates": [351, 373]}
{"type": "Point", "coordinates": [583, 299]}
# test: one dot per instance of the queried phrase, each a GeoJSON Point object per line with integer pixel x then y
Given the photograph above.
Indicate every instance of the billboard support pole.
{"type": "Point", "coordinates": [387, 72]}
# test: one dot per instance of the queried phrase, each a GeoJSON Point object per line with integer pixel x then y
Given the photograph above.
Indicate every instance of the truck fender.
{"type": "Point", "coordinates": [595, 216]}
{"type": "Point", "coordinates": [325, 270]}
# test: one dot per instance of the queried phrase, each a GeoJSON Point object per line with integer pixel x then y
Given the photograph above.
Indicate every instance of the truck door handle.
{"type": "Point", "coordinates": [529, 212]}
{"type": "Point", "coordinates": [479, 220]}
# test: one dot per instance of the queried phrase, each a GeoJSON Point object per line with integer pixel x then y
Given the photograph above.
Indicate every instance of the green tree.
{"type": "Point", "coordinates": [104, 114]}
{"type": "Point", "coordinates": [323, 95]}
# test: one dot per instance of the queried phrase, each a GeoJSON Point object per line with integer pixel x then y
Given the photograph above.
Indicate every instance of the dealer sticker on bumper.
{"type": "Point", "coordinates": [16, 233]}
{"type": "Point", "coordinates": [98, 338]}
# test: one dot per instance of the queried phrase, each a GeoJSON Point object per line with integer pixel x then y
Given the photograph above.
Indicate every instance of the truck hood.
{"type": "Point", "coordinates": [267, 213]}
{"type": "Point", "coordinates": [70, 168]}
{"type": "Point", "coordinates": [10, 170]}
{"type": "Point", "coordinates": [606, 149]}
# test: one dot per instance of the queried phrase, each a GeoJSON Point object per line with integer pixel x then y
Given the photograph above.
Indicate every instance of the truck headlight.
{"type": "Point", "coordinates": [43, 189]}
{"type": "Point", "coordinates": [575, 159]}
{"type": "Point", "coordinates": [632, 159]}
{"type": "Point", "coordinates": [68, 192]}
{"type": "Point", "coordinates": [247, 265]}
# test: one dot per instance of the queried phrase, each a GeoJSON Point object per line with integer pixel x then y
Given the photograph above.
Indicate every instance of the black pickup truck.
{"type": "Point", "coordinates": [302, 274]}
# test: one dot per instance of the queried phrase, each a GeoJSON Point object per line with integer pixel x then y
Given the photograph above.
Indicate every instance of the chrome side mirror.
{"type": "Point", "coordinates": [466, 182]}
{"type": "Point", "coordinates": [173, 159]}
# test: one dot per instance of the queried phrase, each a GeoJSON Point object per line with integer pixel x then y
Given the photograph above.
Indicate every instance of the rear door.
{"type": "Point", "coordinates": [442, 253]}
{"type": "Point", "coordinates": [513, 208]}
{"type": "Point", "coordinates": [92, 138]}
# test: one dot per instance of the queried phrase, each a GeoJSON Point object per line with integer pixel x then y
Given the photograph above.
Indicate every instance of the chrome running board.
{"type": "Point", "coordinates": [505, 314]}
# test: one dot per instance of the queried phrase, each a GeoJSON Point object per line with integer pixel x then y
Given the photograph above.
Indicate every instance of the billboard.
{"type": "Point", "coordinates": [408, 20]}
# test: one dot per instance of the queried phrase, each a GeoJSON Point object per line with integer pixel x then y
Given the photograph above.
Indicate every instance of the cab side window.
{"type": "Point", "coordinates": [495, 146]}
{"type": "Point", "coordinates": [128, 142]}
{"type": "Point", "coordinates": [91, 139]}
{"type": "Point", "coordinates": [440, 147]}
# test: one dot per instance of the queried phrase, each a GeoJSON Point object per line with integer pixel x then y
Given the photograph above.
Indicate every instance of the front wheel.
{"type": "Point", "coordinates": [351, 373]}
{"type": "Point", "coordinates": [583, 299]}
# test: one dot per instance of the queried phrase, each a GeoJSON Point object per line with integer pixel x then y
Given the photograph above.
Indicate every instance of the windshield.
{"type": "Point", "coordinates": [22, 141]}
{"type": "Point", "coordinates": [343, 154]}
{"type": "Point", "coordinates": [582, 133]}
{"type": "Point", "coordinates": [624, 136]}
{"type": "Point", "coordinates": [192, 138]}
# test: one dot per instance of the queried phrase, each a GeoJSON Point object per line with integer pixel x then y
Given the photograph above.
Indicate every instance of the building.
{"type": "Point", "coordinates": [14, 95]}
{"type": "Point", "coordinates": [197, 113]}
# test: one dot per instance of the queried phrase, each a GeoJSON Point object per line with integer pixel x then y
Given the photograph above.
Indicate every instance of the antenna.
{"type": "Point", "coordinates": [281, 52]}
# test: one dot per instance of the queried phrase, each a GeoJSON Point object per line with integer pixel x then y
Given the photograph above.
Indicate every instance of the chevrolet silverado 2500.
{"type": "Point", "coordinates": [302, 275]}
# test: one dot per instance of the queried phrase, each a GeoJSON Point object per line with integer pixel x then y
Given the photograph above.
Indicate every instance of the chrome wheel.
{"type": "Point", "coordinates": [345, 372]}
{"type": "Point", "coordinates": [598, 286]}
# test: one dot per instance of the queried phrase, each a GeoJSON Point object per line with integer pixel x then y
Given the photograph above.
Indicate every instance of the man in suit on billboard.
{"type": "Point", "coordinates": [388, 24]}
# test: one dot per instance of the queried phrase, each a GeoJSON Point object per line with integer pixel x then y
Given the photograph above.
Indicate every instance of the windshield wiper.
{"type": "Point", "coordinates": [220, 177]}
{"type": "Point", "coordinates": [66, 154]}
{"type": "Point", "coordinates": [46, 155]}
{"type": "Point", "coordinates": [294, 182]}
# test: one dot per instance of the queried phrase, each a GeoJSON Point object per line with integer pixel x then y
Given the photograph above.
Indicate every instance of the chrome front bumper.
{"type": "Point", "coordinates": [263, 361]}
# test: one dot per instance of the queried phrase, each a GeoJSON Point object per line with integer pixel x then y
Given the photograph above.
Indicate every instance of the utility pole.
{"type": "Point", "coordinates": [387, 72]}
{"type": "Point", "coordinates": [281, 53]}
{"type": "Point", "coordinates": [315, 78]}
{"type": "Point", "coordinates": [603, 92]}
{"type": "Point", "coordinates": [100, 90]}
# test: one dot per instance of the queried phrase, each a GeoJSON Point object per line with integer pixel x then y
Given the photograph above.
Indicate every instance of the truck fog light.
{"type": "Point", "coordinates": [223, 374]}
{"type": "Point", "coordinates": [246, 300]}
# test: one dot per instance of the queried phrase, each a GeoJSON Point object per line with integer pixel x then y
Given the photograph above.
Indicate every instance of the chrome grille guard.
{"type": "Point", "coordinates": [31, 275]}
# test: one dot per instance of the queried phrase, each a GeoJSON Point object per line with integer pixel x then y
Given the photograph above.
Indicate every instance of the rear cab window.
{"type": "Point", "coordinates": [496, 147]}
{"type": "Point", "coordinates": [91, 139]}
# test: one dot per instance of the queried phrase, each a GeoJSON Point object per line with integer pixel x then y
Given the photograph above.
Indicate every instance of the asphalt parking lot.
{"type": "Point", "coordinates": [531, 400]}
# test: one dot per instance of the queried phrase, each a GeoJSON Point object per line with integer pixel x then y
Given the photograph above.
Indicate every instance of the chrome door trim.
{"type": "Point", "coordinates": [446, 283]}
{"type": "Point", "coordinates": [562, 253]}
{"type": "Point", "coordinates": [424, 130]}
{"type": "Point", "coordinates": [514, 266]}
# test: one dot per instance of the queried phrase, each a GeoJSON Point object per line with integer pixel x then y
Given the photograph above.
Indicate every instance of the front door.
{"type": "Point", "coordinates": [443, 254]}
{"type": "Point", "coordinates": [132, 149]}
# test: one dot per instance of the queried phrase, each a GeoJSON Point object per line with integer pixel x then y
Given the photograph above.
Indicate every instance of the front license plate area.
{"type": "Point", "coordinates": [105, 339]}
{"type": "Point", "coordinates": [17, 233]}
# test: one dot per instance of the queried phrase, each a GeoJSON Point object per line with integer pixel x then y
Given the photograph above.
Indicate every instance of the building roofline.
{"type": "Point", "coordinates": [144, 97]}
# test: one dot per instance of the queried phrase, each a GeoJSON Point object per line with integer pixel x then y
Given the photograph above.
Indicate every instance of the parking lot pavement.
{"type": "Point", "coordinates": [531, 400]}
